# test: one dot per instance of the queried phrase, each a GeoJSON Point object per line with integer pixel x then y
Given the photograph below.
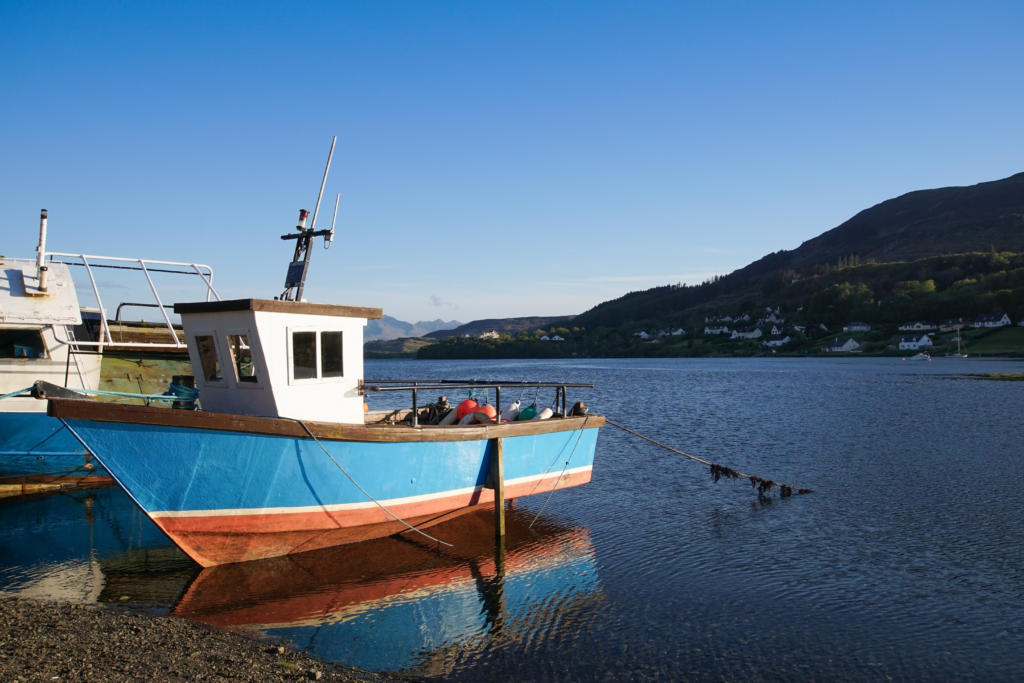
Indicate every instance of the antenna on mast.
{"type": "Point", "coordinates": [296, 277]}
{"type": "Point", "coordinates": [330, 236]}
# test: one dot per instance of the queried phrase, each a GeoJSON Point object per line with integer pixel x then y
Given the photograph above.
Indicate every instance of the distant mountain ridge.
{"type": "Point", "coordinates": [388, 328]}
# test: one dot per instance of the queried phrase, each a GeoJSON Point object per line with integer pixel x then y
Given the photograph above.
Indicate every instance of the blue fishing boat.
{"type": "Point", "coordinates": [283, 458]}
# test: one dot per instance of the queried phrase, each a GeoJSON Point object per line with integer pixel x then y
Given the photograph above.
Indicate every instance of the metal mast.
{"type": "Point", "coordinates": [295, 280]}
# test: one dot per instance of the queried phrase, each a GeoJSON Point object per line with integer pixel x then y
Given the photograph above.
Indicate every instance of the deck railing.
{"type": "Point", "coordinates": [416, 385]}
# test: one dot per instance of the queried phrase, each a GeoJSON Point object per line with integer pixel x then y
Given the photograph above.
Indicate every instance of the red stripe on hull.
{"type": "Point", "coordinates": [221, 539]}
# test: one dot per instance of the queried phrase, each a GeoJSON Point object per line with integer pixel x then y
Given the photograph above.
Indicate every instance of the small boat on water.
{"type": "Point", "coordinates": [44, 336]}
{"type": "Point", "coordinates": [283, 456]}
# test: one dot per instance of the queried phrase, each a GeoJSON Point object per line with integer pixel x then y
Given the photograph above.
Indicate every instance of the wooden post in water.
{"type": "Point", "coordinates": [497, 476]}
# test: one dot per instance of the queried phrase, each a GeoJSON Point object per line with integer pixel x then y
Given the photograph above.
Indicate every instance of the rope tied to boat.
{"type": "Point", "coordinates": [27, 391]}
{"type": "Point", "coordinates": [364, 491]}
{"type": "Point", "coordinates": [579, 435]}
{"type": "Point", "coordinates": [718, 472]}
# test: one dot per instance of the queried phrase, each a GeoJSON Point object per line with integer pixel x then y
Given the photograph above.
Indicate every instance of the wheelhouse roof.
{"type": "Point", "coordinates": [279, 306]}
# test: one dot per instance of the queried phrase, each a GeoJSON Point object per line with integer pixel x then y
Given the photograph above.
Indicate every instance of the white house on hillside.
{"type": "Point", "coordinates": [916, 326]}
{"type": "Point", "coordinates": [844, 345]}
{"type": "Point", "coordinates": [716, 329]}
{"type": "Point", "coordinates": [777, 341]}
{"type": "Point", "coordinates": [748, 333]}
{"type": "Point", "coordinates": [856, 327]}
{"type": "Point", "coordinates": [913, 342]}
{"type": "Point", "coordinates": [993, 320]}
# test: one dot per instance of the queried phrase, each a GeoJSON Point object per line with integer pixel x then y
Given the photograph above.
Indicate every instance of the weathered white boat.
{"type": "Point", "coordinates": [43, 337]}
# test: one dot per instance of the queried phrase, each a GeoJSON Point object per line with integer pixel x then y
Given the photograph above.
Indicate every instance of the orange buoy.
{"type": "Point", "coordinates": [488, 410]}
{"type": "Point", "coordinates": [467, 406]}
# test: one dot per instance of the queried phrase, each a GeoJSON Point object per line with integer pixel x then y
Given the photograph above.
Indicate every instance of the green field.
{"type": "Point", "coordinates": [1004, 341]}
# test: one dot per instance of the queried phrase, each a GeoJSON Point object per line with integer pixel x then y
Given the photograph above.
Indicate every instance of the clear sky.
{"type": "Point", "coordinates": [494, 159]}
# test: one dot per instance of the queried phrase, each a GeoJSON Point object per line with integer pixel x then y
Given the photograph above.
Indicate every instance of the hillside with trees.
{"type": "Point", "coordinates": [932, 256]}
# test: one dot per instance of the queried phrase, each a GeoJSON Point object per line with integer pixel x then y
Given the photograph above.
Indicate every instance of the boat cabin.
{"type": "Point", "coordinates": [38, 307]}
{"type": "Point", "coordinates": [278, 358]}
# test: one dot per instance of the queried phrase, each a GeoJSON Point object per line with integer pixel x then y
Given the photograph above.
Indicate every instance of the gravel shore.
{"type": "Point", "coordinates": [44, 641]}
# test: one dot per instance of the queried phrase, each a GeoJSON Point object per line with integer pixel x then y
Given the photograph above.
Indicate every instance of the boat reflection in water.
{"type": "Point", "coordinates": [400, 603]}
{"type": "Point", "coordinates": [87, 547]}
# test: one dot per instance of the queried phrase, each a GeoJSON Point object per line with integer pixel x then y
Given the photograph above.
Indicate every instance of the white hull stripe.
{"type": "Point", "coordinates": [340, 507]}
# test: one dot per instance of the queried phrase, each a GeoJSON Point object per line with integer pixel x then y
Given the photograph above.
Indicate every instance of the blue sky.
{"type": "Point", "coordinates": [494, 159]}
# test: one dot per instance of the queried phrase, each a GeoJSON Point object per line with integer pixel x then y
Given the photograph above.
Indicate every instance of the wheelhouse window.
{"type": "Point", "coordinates": [241, 356]}
{"type": "Point", "coordinates": [22, 344]}
{"type": "Point", "coordinates": [208, 358]}
{"type": "Point", "coordinates": [317, 355]}
{"type": "Point", "coordinates": [330, 355]}
{"type": "Point", "coordinates": [304, 355]}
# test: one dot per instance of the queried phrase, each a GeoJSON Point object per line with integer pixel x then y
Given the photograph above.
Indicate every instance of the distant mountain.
{"type": "Point", "coordinates": [927, 223]}
{"type": "Point", "coordinates": [507, 325]}
{"type": "Point", "coordinates": [391, 328]}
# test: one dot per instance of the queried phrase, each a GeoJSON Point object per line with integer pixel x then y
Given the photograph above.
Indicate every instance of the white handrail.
{"type": "Point", "coordinates": [146, 266]}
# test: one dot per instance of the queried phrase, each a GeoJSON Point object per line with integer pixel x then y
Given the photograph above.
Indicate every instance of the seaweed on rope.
{"type": "Point", "coordinates": [718, 472]}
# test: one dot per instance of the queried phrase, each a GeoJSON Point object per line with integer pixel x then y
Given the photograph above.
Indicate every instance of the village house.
{"type": "Point", "coordinates": [489, 334]}
{"type": "Point", "coordinates": [777, 341]}
{"type": "Point", "coordinates": [993, 320]}
{"type": "Point", "coordinates": [747, 333]}
{"type": "Point", "coordinates": [841, 345]}
{"type": "Point", "coordinates": [916, 326]}
{"type": "Point", "coordinates": [913, 342]}
{"type": "Point", "coordinates": [952, 325]}
{"type": "Point", "coordinates": [642, 334]}
{"type": "Point", "coordinates": [856, 327]}
{"type": "Point", "coordinates": [716, 329]}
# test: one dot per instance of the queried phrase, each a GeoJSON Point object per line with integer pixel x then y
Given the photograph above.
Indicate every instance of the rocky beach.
{"type": "Point", "coordinates": [44, 641]}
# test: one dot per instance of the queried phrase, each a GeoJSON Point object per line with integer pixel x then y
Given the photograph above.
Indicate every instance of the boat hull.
{"type": "Point", "coordinates": [226, 494]}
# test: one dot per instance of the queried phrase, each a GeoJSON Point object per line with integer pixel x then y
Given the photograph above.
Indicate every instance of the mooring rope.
{"type": "Point", "coordinates": [554, 488]}
{"type": "Point", "coordinates": [175, 392]}
{"type": "Point", "coordinates": [26, 390]}
{"type": "Point", "coordinates": [364, 491]}
{"type": "Point", "coordinates": [720, 471]}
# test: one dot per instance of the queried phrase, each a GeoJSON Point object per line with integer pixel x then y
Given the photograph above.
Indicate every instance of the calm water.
{"type": "Point", "coordinates": [906, 562]}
